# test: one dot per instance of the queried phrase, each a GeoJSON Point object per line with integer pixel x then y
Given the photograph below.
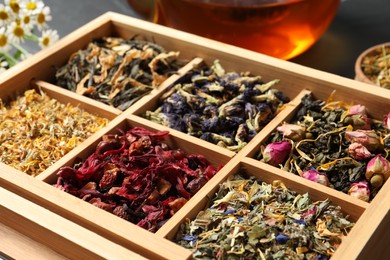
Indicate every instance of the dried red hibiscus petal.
{"type": "Point", "coordinates": [136, 176]}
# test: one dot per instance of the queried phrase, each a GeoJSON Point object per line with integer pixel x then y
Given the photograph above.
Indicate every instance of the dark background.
{"type": "Point", "coordinates": [358, 25]}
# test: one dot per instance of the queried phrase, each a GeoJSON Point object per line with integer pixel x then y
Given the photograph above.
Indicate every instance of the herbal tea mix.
{"type": "Point", "coordinates": [117, 71]}
{"type": "Point", "coordinates": [376, 66]}
{"type": "Point", "coordinates": [224, 108]}
{"type": "Point", "coordinates": [36, 131]}
{"type": "Point", "coordinates": [335, 144]}
{"type": "Point", "coordinates": [138, 177]}
{"type": "Point", "coordinates": [250, 219]}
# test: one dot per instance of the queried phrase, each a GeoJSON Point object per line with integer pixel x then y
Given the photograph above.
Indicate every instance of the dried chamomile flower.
{"type": "Point", "coordinates": [36, 131]}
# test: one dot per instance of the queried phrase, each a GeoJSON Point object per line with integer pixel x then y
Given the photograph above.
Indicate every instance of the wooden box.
{"type": "Point", "coordinates": [366, 239]}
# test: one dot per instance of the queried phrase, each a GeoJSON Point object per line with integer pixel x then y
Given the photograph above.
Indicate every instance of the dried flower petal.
{"type": "Point", "coordinates": [139, 177]}
{"type": "Point", "coordinates": [248, 216]}
{"type": "Point", "coordinates": [368, 138]}
{"type": "Point", "coordinates": [276, 153]}
{"type": "Point", "coordinates": [330, 146]}
{"type": "Point", "coordinates": [358, 151]}
{"type": "Point", "coordinates": [224, 108]}
{"type": "Point", "coordinates": [292, 131]}
{"type": "Point", "coordinates": [360, 190]}
{"type": "Point", "coordinates": [316, 176]}
{"type": "Point", "coordinates": [36, 131]}
{"type": "Point", "coordinates": [378, 171]}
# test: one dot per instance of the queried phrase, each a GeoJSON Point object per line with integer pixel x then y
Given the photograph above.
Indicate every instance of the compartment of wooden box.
{"type": "Point", "coordinates": [353, 209]}
{"type": "Point", "coordinates": [68, 218]}
{"type": "Point", "coordinates": [56, 133]}
{"type": "Point", "coordinates": [295, 80]}
{"type": "Point", "coordinates": [263, 138]}
{"type": "Point", "coordinates": [199, 100]}
{"type": "Point", "coordinates": [30, 231]}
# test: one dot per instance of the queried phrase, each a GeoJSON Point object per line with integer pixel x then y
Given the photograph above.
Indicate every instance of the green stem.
{"type": "Point", "coordinates": [21, 49]}
{"type": "Point", "coordinates": [11, 61]}
{"type": "Point", "coordinates": [32, 37]}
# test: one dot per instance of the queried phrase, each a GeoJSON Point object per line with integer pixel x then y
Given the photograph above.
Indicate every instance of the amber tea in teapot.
{"type": "Point", "coordinates": [279, 28]}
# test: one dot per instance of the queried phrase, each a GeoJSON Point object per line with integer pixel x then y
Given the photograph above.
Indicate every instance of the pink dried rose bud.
{"type": "Point", "coordinates": [316, 176]}
{"type": "Point", "coordinates": [358, 152]}
{"type": "Point", "coordinates": [360, 190]}
{"type": "Point", "coordinates": [386, 121]}
{"type": "Point", "coordinates": [291, 131]}
{"type": "Point", "coordinates": [357, 117]}
{"type": "Point", "coordinates": [378, 171]}
{"type": "Point", "coordinates": [361, 122]}
{"type": "Point", "coordinates": [357, 110]}
{"type": "Point", "coordinates": [368, 138]}
{"type": "Point", "coordinates": [275, 153]}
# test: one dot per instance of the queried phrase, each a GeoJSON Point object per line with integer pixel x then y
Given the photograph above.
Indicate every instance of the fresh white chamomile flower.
{"type": "Point", "coordinates": [43, 17]}
{"type": "Point", "coordinates": [17, 32]}
{"type": "Point", "coordinates": [32, 6]}
{"type": "Point", "coordinates": [13, 5]}
{"type": "Point", "coordinates": [26, 20]}
{"type": "Point", "coordinates": [4, 40]}
{"type": "Point", "coordinates": [5, 16]}
{"type": "Point", "coordinates": [48, 38]}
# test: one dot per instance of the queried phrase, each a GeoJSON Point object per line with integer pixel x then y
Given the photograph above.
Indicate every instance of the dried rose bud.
{"type": "Point", "coordinates": [316, 176]}
{"type": "Point", "coordinates": [386, 121]}
{"type": "Point", "coordinates": [378, 171]}
{"type": "Point", "coordinates": [360, 190]}
{"type": "Point", "coordinates": [361, 122]}
{"type": "Point", "coordinates": [294, 132]}
{"type": "Point", "coordinates": [275, 153]}
{"type": "Point", "coordinates": [358, 152]}
{"type": "Point", "coordinates": [368, 138]}
{"type": "Point", "coordinates": [357, 110]}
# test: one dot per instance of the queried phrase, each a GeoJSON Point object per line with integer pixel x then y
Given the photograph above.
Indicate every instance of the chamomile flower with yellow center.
{"type": "Point", "coordinates": [4, 41]}
{"type": "Point", "coordinates": [13, 5]}
{"type": "Point", "coordinates": [20, 20]}
{"type": "Point", "coordinates": [32, 6]}
{"type": "Point", "coordinates": [43, 17]}
{"type": "Point", "coordinates": [48, 38]}
{"type": "Point", "coordinates": [5, 17]}
{"type": "Point", "coordinates": [26, 20]}
{"type": "Point", "coordinates": [16, 32]}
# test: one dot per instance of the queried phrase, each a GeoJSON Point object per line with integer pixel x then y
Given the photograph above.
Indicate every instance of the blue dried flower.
{"type": "Point", "coordinates": [281, 239]}
{"type": "Point", "coordinates": [207, 136]}
{"type": "Point", "coordinates": [233, 122]}
{"type": "Point", "coordinates": [176, 104]}
{"type": "Point", "coordinates": [193, 122]}
{"type": "Point", "coordinates": [175, 121]}
{"type": "Point", "coordinates": [211, 124]}
{"type": "Point", "coordinates": [210, 110]}
{"type": "Point", "coordinates": [230, 211]}
{"type": "Point", "coordinates": [190, 238]}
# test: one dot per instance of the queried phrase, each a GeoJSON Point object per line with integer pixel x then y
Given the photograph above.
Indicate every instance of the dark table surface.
{"type": "Point", "coordinates": [358, 25]}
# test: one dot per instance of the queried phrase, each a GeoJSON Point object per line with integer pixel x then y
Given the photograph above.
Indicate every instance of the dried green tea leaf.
{"type": "Point", "coordinates": [117, 71]}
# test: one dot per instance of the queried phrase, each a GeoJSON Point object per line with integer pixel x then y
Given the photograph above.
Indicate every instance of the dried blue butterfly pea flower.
{"type": "Point", "coordinates": [282, 239]}
{"type": "Point", "coordinates": [190, 238]}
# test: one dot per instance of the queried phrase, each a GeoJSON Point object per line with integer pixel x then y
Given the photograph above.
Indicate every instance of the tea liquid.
{"type": "Point", "coordinates": [282, 30]}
